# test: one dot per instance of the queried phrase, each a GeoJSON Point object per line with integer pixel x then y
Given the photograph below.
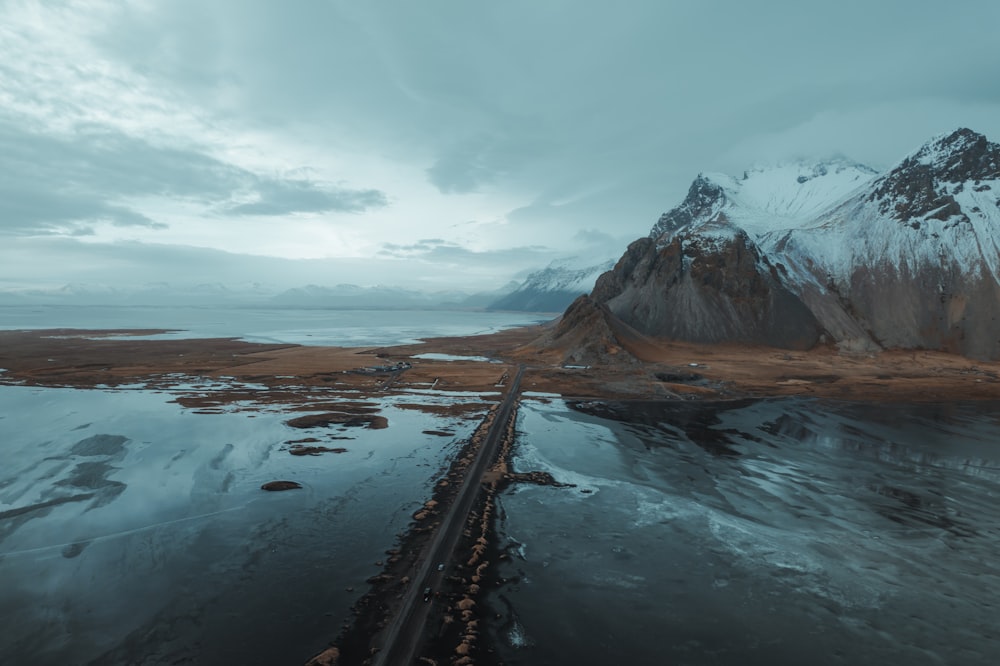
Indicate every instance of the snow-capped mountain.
{"type": "Point", "coordinates": [553, 288]}
{"type": "Point", "coordinates": [910, 258]}
{"type": "Point", "coordinates": [916, 254]}
{"type": "Point", "coordinates": [765, 198]}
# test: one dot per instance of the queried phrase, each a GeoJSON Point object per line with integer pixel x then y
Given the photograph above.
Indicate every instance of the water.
{"type": "Point", "coordinates": [133, 530]}
{"type": "Point", "coordinates": [344, 328]}
{"type": "Point", "coordinates": [452, 357]}
{"type": "Point", "coordinates": [773, 532]}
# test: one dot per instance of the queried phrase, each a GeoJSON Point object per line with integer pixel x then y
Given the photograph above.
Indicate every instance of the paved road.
{"type": "Point", "coordinates": [403, 637]}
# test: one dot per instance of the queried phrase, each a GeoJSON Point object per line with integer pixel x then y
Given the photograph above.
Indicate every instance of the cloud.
{"type": "Point", "coordinates": [558, 126]}
{"type": "Point", "coordinates": [57, 184]}
{"type": "Point", "coordinates": [421, 247]}
{"type": "Point", "coordinates": [473, 266]}
{"type": "Point", "coordinates": [488, 157]}
{"type": "Point", "coordinates": [461, 170]}
{"type": "Point", "coordinates": [62, 184]}
{"type": "Point", "coordinates": [302, 196]}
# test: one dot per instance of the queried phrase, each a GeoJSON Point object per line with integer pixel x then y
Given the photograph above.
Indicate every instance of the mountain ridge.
{"type": "Point", "coordinates": [799, 254]}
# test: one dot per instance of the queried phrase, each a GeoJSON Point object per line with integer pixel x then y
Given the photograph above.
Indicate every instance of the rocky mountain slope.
{"type": "Point", "coordinates": [916, 255]}
{"type": "Point", "coordinates": [706, 288]}
{"type": "Point", "coordinates": [796, 254]}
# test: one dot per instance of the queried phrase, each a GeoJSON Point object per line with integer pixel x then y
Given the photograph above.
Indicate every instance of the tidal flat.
{"type": "Point", "coordinates": [135, 530]}
{"type": "Point", "coordinates": [781, 531]}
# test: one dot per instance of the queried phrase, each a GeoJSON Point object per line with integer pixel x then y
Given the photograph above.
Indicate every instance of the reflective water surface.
{"type": "Point", "coordinates": [133, 530]}
{"type": "Point", "coordinates": [771, 532]}
{"type": "Point", "coordinates": [318, 326]}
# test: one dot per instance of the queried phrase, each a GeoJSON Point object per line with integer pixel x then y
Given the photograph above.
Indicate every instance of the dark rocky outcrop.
{"type": "Point", "coordinates": [706, 289]}
{"type": "Point", "coordinates": [275, 486]}
{"type": "Point", "coordinates": [372, 421]}
{"type": "Point", "coordinates": [588, 334]}
{"type": "Point", "coordinates": [301, 450]}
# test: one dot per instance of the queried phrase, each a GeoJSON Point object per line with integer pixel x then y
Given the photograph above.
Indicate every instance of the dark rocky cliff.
{"type": "Point", "coordinates": [706, 289]}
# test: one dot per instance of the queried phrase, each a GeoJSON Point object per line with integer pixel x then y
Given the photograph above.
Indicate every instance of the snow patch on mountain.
{"type": "Point", "coordinates": [764, 200]}
{"type": "Point", "coordinates": [939, 207]}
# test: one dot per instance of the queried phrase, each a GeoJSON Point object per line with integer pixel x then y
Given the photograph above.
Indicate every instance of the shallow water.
{"type": "Point", "coordinates": [772, 532]}
{"type": "Point", "coordinates": [453, 357]}
{"type": "Point", "coordinates": [345, 328]}
{"type": "Point", "coordinates": [133, 530]}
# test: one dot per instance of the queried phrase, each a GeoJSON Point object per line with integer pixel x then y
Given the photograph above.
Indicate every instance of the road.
{"type": "Point", "coordinates": [403, 636]}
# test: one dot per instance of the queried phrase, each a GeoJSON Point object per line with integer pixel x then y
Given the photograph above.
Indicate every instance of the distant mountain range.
{"type": "Point", "coordinates": [549, 289]}
{"type": "Point", "coordinates": [252, 295]}
{"type": "Point", "coordinates": [553, 288]}
{"type": "Point", "coordinates": [152, 294]}
{"type": "Point", "coordinates": [798, 254]}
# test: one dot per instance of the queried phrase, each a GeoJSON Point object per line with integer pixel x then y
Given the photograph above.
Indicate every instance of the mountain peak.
{"type": "Point", "coordinates": [925, 182]}
{"type": "Point", "coordinates": [962, 155]}
{"type": "Point", "coordinates": [953, 142]}
{"type": "Point", "coordinates": [704, 199]}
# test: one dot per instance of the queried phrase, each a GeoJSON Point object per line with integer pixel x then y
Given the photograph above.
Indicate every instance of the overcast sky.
{"type": "Point", "coordinates": [441, 143]}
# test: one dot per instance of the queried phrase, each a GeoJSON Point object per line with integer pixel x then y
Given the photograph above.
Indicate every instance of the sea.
{"type": "Point", "coordinates": [316, 326]}
{"type": "Point", "coordinates": [781, 531]}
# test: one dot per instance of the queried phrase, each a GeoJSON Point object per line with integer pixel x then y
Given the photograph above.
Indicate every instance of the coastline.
{"type": "Point", "coordinates": [671, 370]}
{"type": "Point", "coordinates": [229, 374]}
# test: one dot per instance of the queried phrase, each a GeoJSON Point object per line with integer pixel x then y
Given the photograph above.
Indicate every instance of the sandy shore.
{"type": "Point", "coordinates": [669, 370]}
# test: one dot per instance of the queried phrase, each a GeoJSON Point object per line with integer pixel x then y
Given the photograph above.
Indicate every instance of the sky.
{"type": "Point", "coordinates": [436, 145]}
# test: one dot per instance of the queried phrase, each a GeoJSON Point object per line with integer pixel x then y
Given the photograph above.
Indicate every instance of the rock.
{"type": "Point", "coordinates": [589, 334]}
{"type": "Point", "coordinates": [327, 657]}
{"type": "Point", "coordinates": [300, 450]}
{"type": "Point", "coordinates": [706, 288]}
{"type": "Point", "coordinates": [281, 485]}
{"type": "Point", "coordinates": [306, 440]}
{"type": "Point", "coordinates": [372, 421]}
